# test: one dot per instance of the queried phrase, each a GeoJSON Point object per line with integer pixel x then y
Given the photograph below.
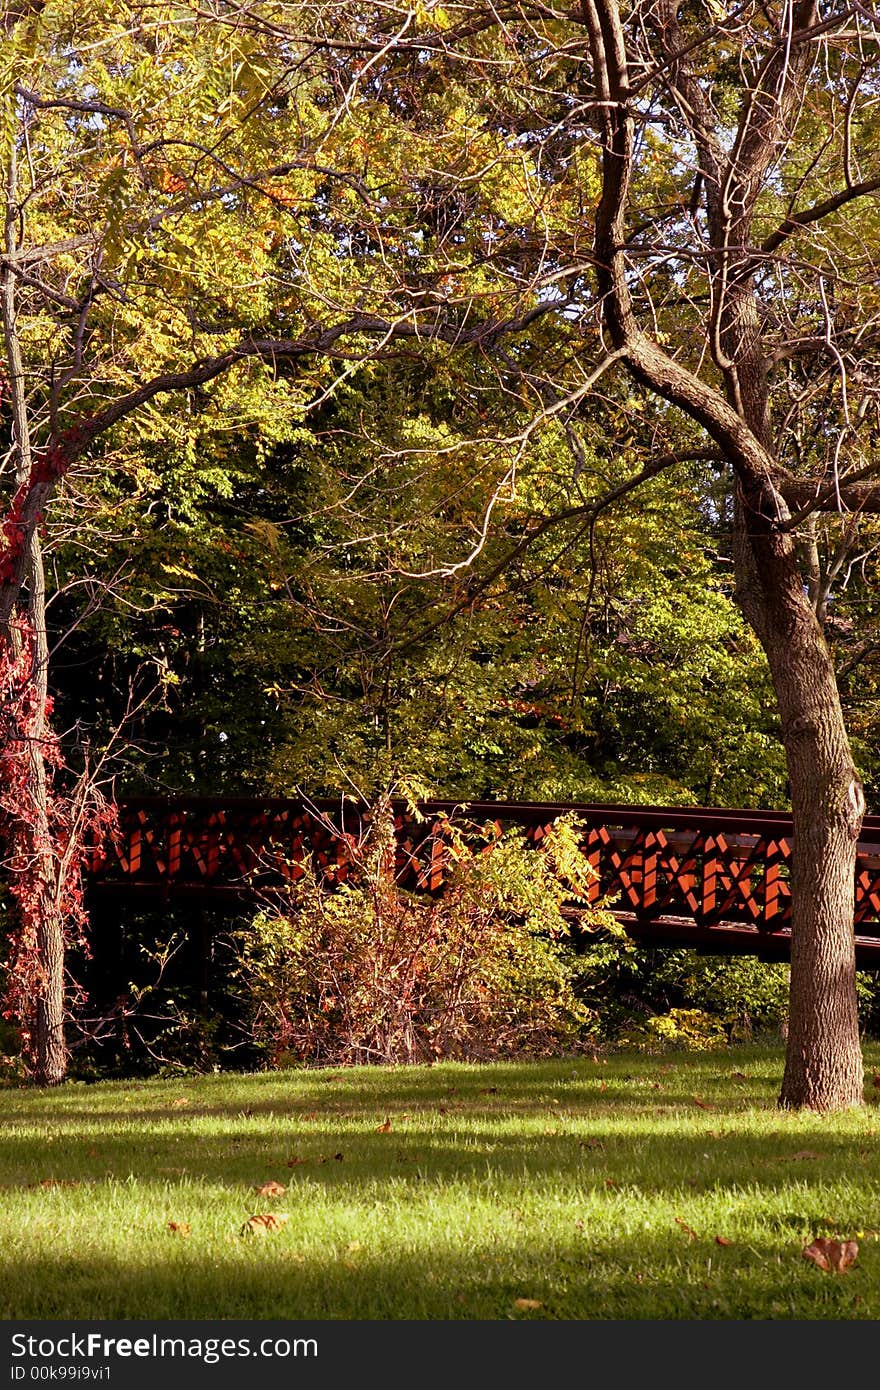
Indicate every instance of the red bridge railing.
{"type": "Point", "coordinates": [714, 879]}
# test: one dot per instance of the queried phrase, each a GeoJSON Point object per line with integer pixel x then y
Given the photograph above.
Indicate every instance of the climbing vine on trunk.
{"type": "Point", "coordinates": [48, 832]}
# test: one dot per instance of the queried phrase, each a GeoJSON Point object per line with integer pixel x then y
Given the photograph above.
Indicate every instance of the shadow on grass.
{"type": "Point", "coordinates": [344, 1158]}
{"type": "Point", "coordinates": [642, 1279]}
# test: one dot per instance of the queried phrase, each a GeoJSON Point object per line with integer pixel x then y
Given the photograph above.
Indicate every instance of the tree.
{"type": "Point", "coordinates": [673, 198]}
{"type": "Point", "coordinates": [176, 214]}
{"type": "Point", "coordinates": [557, 198]}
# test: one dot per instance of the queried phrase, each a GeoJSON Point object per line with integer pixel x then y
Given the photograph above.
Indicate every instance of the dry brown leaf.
{"type": "Point", "coordinates": [722, 1240]}
{"type": "Point", "coordinates": [264, 1221]}
{"type": "Point", "coordinates": [688, 1230]}
{"type": "Point", "coordinates": [528, 1304]}
{"type": "Point", "coordinates": [703, 1104]}
{"type": "Point", "coordinates": [833, 1255]}
{"type": "Point", "coordinates": [56, 1182]}
{"type": "Point", "coordinates": [271, 1189]}
{"type": "Point", "coordinates": [179, 1228]}
{"type": "Point", "coordinates": [179, 1103]}
{"type": "Point", "coordinates": [609, 1182]}
{"type": "Point", "coordinates": [739, 1076]}
{"type": "Point", "coordinates": [295, 1162]}
{"type": "Point", "coordinates": [384, 1128]}
{"type": "Point", "coordinates": [877, 1079]}
{"type": "Point", "coordinates": [603, 1085]}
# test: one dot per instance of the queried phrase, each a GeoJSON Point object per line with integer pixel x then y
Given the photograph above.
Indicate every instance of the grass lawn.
{"type": "Point", "coordinates": [590, 1189]}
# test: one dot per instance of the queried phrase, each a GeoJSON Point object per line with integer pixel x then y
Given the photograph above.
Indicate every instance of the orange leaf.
{"type": "Point", "coordinates": [834, 1255]}
{"type": "Point", "coordinates": [385, 1128]}
{"type": "Point", "coordinates": [271, 1189]}
{"type": "Point", "coordinates": [259, 1224]}
{"type": "Point", "coordinates": [180, 1228]}
{"type": "Point", "coordinates": [179, 1103]}
{"type": "Point", "coordinates": [703, 1104]}
{"type": "Point", "coordinates": [722, 1240]}
{"type": "Point", "coordinates": [688, 1230]}
{"type": "Point", "coordinates": [528, 1304]}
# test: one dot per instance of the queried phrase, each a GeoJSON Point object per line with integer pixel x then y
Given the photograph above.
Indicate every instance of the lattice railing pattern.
{"type": "Point", "coordinates": [690, 871]}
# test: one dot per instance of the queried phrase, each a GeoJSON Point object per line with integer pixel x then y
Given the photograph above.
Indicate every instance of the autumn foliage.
{"type": "Point", "coordinates": [48, 830]}
{"type": "Point", "coordinates": [368, 972]}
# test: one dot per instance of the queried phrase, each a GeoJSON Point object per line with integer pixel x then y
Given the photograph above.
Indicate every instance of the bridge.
{"type": "Point", "coordinates": [713, 879]}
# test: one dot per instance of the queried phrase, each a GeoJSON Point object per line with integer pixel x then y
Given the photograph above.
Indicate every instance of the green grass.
{"type": "Point", "coordinates": [564, 1182]}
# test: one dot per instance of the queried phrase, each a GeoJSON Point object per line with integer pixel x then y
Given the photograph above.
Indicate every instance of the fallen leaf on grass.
{"type": "Point", "coordinates": [384, 1128]}
{"type": "Point", "coordinates": [179, 1228]}
{"type": "Point", "coordinates": [738, 1076]}
{"type": "Point", "coordinates": [603, 1085]}
{"type": "Point", "coordinates": [179, 1103]}
{"type": "Point", "coordinates": [688, 1230]}
{"type": "Point", "coordinates": [833, 1255]}
{"type": "Point", "coordinates": [877, 1079]}
{"type": "Point", "coordinates": [722, 1240]}
{"type": "Point", "coordinates": [271, 1189]}
{"type": "Point", "coordinates": [56, 1182]}
{"type": "Point", "coordinates": [264, 1221]}
{"type": "Point", "coordinates": [609, 1182]}
{"type": "Point", "coordinates": [295, 1162]}
{"type": "Point", "coordinates": [802, 1155]}
{"type": "Point", "coordinates": [703, 1104]}
{"type": "Point", "coordinates": [590, 1144]}
{"type": "Point", "coordinates": [528, 1304]}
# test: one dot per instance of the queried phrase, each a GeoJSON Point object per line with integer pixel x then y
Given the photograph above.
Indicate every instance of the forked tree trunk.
{"type": "Point", "coordinates": [824, 1065]}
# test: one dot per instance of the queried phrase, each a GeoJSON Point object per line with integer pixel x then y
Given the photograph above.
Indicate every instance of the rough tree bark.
{"type": "Point", "coordinates": [824, 1063]}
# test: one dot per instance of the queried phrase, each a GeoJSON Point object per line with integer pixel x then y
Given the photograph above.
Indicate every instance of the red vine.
{"type": "Point", "coordinates": [65, 835]}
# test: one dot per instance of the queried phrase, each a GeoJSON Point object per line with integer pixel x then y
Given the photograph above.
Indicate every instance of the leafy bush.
{"type": "Point", "coordinates": [367, 972]}
{"type": "Point", "coordinates": [692, 1030]}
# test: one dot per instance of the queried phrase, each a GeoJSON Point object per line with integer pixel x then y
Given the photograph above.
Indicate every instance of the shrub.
{"type": "Point", "coordinates": [367, 972]}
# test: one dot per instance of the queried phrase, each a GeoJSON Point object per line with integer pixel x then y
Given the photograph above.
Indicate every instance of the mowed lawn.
{"type": "Point", "coordinates": [575, 1189]}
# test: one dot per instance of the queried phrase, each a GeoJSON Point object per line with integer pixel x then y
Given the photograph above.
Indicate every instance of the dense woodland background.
{"type": "Point", "coordinates": [395, 540]}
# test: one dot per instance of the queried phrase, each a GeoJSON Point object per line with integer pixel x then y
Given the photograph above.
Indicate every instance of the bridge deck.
{"type": "Point", "coordinates": [715, 879]}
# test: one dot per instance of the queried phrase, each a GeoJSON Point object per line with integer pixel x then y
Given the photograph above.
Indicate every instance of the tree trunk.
{"type": "Point", "coordinates": [823, 1066]}
{"type": "Point", "coordinates": [49, 1051]}
{"type": "Point", "coordinates": [49, 1045]}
